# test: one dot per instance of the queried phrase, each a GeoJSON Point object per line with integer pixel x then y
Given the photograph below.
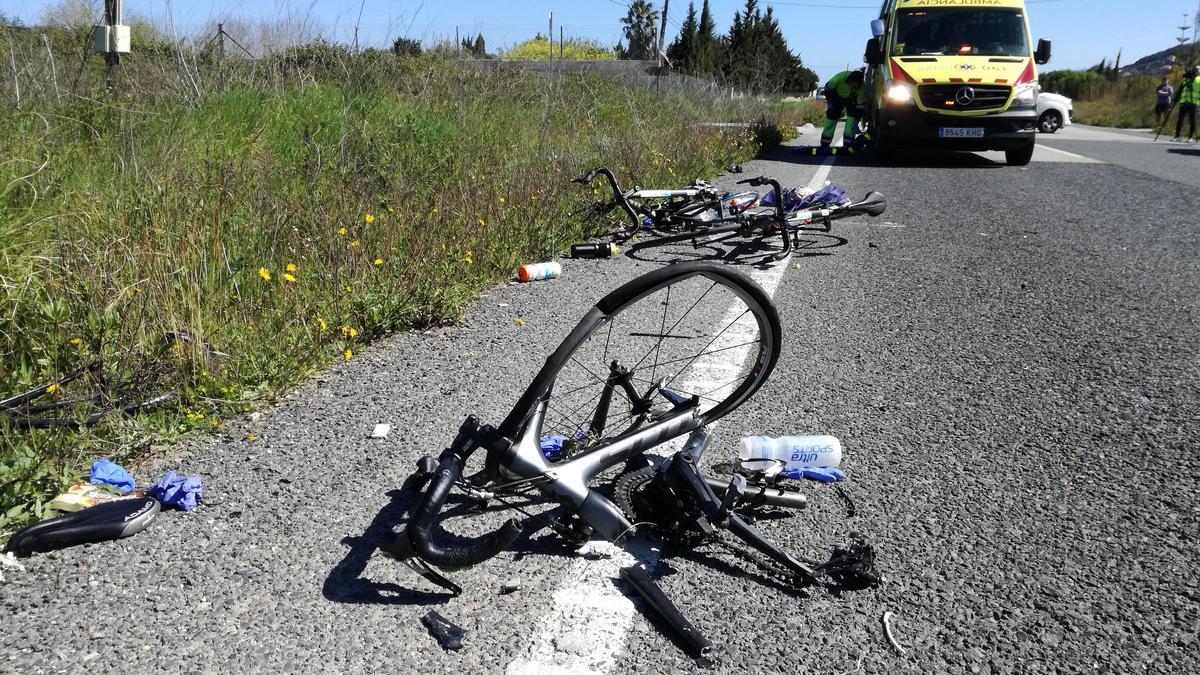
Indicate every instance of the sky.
{"type": "Point", "coordinates": [828, 34]}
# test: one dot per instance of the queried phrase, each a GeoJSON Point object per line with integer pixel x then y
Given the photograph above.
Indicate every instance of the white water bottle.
{"type": "Point", "coordinates": [797, 451]}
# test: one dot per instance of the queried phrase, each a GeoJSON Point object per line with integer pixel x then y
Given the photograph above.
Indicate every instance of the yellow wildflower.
{"type": "Point", "coordinates": [379, 261]}
{"type": "Point", "coordinates": [264, 273]}
{"type": "Point", "coordinates": [349, 354]}
{"type": "Point", "coordinates": [391, 210]}
{"type": "Point", "coordinates": [342, 231]}
{"type": "Point", "coordinates": [291, 267]}
{"type": "Point", "coordinates": [251, 438]}
{"type": "Point", "coordinates": [349, 331]}
{"type": "Point", "coordinates": [502, 200]}
{"type": "Point", "coordinates": [356, 243]}
{"type": "Point", "coordinates": [370, 219]}
{"type": "Point", "coordinates": [520, 322]}
{"type": "Point", "coordinates": [51, 389]}
{"type": "Point", "coordinates": [289, 278]}
{"type": "Point", "coordinates": [470, 260]}
{"type": "Point", "coordinates": [324, 326]}
{"type": "Point", "coordinates": [76, 341]}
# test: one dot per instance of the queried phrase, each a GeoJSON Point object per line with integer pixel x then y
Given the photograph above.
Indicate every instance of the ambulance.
{"type": "Point", "coordinates": [954, 74]}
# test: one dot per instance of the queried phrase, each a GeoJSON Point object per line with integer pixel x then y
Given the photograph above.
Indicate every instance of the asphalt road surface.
{"type": "Point", "coordinates": [1009, 356]}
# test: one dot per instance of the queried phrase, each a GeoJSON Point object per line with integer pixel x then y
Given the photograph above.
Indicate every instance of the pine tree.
{"type": "Point", "coordinates": [707, 59]}
{"type": "Point", "coordinates": [682, 51]}
{"type": "Point", "coordinates": [757, 57]}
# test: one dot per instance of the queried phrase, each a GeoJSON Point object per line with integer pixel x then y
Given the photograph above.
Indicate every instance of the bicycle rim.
{"type": "Point", "coordinates": [690, 332]}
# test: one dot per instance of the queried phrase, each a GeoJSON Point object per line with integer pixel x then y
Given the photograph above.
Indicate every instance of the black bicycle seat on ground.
{"type": "Point", "coordinates": [110, 520]}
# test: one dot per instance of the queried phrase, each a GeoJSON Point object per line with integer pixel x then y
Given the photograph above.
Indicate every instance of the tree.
{"type": "Point", "coordinates": [403, 46]}
{"type": "Point", "coordinates": [682, 50]}
{"type": "Point", "coordinates": [756, 56]}
{"type": "Point", "coordinates": [640, 31]}
{"type": "Point", "coordinates": [708, 48]}
{"type": "Point", "coordinates": [71, 14]}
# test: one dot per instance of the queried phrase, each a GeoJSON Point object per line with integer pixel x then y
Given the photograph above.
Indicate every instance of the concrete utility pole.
{"type": "Point", "coordinates": [550, 38]}
{"type": "Point", "coordinates": [662, 34]}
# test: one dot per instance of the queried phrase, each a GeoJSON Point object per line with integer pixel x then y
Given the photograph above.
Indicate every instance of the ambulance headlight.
{"type": "Point", "coordinates": [1026, 95]}
{"type": "Point", "coordinates": [900, 93]}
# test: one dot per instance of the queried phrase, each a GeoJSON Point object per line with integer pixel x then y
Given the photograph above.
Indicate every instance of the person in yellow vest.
{"type": "Point", "coordinates": [844, 93]}
{"type": "Point", "coordinates": [1187, 98]}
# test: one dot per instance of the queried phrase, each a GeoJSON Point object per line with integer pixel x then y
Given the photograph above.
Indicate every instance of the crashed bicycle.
{"type": "Point", "coordinates": [699, 212]}
{"type": "Point", "coordinates": [647, 370]}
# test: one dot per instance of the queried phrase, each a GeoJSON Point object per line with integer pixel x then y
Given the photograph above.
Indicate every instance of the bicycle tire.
{"type": "Point", "coordinates": [751, 346]}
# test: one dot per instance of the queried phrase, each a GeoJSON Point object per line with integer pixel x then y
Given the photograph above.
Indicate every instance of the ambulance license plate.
{"type": "Point", "coordinates": [960, 132]}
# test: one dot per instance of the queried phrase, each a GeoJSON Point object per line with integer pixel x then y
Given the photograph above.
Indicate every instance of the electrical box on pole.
{"type": "Point", "coordinates": [111, 37]}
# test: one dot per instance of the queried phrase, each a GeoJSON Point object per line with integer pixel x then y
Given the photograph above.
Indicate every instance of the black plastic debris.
{"type": "Point", "coordinates": [852, 567]}
{"type": "Point", "coordinates": [448, 635]}
{"type": "Point", "coordinates": [734, 168]}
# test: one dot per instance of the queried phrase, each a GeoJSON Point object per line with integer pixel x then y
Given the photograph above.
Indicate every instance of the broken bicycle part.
{"type": "Point", "coordinates": [448, 635]}
{"type": "Point", "coordinates": [696, 644]}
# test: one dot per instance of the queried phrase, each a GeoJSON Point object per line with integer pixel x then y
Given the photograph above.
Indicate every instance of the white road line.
{"type": "Point", "coordinates": [1079, 158]}
{"type": "Point", "coordinates": [584, 632]}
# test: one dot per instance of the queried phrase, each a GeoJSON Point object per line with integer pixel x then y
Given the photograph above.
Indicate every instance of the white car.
{"type": "Point", "coordinates": [1054, 112]}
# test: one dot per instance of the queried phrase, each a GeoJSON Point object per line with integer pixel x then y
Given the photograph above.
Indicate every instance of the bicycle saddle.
{"type": "Point", "coordinates": [111, 520]}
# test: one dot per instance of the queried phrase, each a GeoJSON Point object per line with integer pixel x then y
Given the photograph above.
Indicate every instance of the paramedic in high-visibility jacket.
{"type": "Point", "coordinates": [846, 94]}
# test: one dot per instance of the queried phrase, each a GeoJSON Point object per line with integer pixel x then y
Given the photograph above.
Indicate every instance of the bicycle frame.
{"type": "Point", "coordinates": [568, 481]}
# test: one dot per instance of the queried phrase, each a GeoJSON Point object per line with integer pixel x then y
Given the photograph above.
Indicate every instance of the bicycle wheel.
{"type": "Point", "coordinates": [689, 330]}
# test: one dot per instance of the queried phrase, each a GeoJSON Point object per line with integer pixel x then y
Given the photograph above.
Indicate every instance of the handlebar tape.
{"type": "Point", "coordinates": [463, 552]}
{"type": "Point", "coordinates": [586, 178]}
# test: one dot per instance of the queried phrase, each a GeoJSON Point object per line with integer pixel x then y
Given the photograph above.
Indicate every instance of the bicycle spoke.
{"type": "Point", "coordinates": [662, 327]}
{"type": "Point", "coordinates": [710, 342]}
{"type": "Point", "coordinates": [676, 324]}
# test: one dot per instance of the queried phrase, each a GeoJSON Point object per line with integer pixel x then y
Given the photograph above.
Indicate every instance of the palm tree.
{"type": "Point", "coordinates": [640, 31]}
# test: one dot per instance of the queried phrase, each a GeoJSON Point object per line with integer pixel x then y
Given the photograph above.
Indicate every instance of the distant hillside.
{"type": "Point", "coordinates": [1160, 63]}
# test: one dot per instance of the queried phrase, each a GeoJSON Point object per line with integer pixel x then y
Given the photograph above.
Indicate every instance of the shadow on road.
{"type": "Point", "coordinates": [730, 249]}
{"type": "Point", "coordinates": [1195, 152]}
{"type": "Point", "coordinates": [345, 582]}
{"type": "Point", "coordinates": [914, 159]}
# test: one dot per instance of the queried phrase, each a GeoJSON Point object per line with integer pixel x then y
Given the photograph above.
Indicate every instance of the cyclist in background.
{"type": "Point", "coordinates": [844, 93]}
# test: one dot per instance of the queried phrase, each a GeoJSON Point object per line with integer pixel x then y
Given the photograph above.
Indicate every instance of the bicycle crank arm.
{"type": "Point", "coordinates": [754, 538]}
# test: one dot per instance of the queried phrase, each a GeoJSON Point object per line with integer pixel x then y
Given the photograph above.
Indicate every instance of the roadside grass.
{"type": "Point", "coordinates": [283, 214]}
{"type": "Point", "coordinates": [1125, 103]}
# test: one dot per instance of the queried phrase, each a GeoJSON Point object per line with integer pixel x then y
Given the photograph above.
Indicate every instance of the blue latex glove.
{"type": "Point", "coordinates": [177, 491]}
{"type": "Point", "coordinates": [821, 474]}
{"type": "Point", "coordinates": [105, 472]}
{"type": "Point", "coordinates": [552, 445]}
